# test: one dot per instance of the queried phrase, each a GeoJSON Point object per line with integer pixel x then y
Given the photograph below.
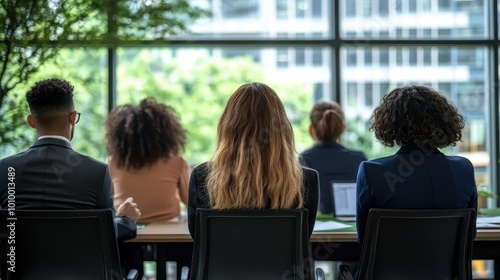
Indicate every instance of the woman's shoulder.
{"type": "Point", "coordinates": [306, 169]}
{"type": "Point", "coordinates": [201, 167]}
{"type": "Point", "coordinates": [353, 152]}
{"type": "Point", "coordinates": [379, 160]}
{"type": "Point", "coordinates": [309, 172]}
{"type": "Point", "coordinates": [457, 161]}
{"type": "Point", "coordinates": [175, 160]}
{"type": "Point", "coordinates": [200, 171]}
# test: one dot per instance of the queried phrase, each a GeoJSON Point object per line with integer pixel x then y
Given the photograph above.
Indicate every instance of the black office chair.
{"type": "Point", "coordinates": [252, 244]}
{"type": "Point", "coordinates": [59, 245]}
{"type": "Point", "coordinates": [416, 244]}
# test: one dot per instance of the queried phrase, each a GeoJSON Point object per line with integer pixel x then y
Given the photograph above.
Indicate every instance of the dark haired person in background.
{"type": "Point", "coordinates": [418, 176]}
{"type": "Point", "coordinates": [333, 161]}
{"type": "Point", "coordinates": [50, 174]}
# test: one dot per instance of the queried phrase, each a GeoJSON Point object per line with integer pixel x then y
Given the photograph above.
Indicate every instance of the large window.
{"type": "Point", "coordinates": [381, 44]}
{"type": "Point", "coordinates": [351, 51]}
{"type": "Point", "coordinates": [292, 45]}
{"type": "Point", "coordinates": [198, 81]}
{"type": "Point", "coordinates": [397, 19]}
{"type": "Point", "coordinates": [257, 19]}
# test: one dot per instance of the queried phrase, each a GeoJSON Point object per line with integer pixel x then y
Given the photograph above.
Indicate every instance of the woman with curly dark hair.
{"type": "Point", "coordinates": [143, 144]}
{"type": "Point", "coordinates": [419, 120]}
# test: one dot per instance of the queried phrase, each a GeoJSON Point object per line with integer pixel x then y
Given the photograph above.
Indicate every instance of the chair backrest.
{"type": "Point", "coordinates": [417, 244]}
{"type": "Point", "coordinates": [59, 244]}
{"type": "Point", "coordinates": [251, 244]}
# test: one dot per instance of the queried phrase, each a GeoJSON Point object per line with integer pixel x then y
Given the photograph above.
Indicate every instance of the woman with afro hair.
{"type": "Point", "coordinates": [420, 121]}
{"type": "Point", "coordinates": [144, 143]}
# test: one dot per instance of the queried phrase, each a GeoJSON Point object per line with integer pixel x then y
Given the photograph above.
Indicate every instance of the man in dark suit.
{"type": "Point", "coordinates": [50, 174]}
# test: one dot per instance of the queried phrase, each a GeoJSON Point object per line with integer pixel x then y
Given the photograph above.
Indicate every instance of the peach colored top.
{"type": "Point", "coordinates": [155, 189]}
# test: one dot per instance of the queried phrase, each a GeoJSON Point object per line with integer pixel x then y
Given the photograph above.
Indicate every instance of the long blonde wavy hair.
{"type": "Point", "coordinates": [255, 164]}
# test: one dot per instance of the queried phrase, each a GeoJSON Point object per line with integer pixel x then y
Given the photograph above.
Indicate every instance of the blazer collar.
{"type": "Point", "coordinates": [329, 145]}
{"type": "Point", "coordinates": [52, 141]}
{"type": "Point", "coordinates": [425, 149]}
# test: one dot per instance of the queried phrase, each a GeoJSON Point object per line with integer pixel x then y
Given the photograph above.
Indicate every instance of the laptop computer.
{"type": "Point", "coordinates": [344, 200]}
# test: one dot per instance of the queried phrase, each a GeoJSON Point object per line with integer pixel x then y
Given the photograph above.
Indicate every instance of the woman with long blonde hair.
{"type": "Point", "coordinates": [255, 165]}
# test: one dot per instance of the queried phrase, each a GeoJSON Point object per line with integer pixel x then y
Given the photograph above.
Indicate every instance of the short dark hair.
{"type": "Point", "coordinates": [417, 115]}
{"type": "Point", "coordinates": [49, 96]}
{"type": "Point", "coordinates": [140, 135]}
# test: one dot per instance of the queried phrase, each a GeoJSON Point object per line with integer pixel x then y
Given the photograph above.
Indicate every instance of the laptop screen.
{"type": "Point", "coordinates": [344, 199]}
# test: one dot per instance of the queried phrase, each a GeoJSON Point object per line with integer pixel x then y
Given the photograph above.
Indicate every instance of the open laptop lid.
{"type": "Point", "coordinates": [344, 200]}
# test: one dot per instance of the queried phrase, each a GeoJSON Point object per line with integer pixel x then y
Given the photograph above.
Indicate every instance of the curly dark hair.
{"type": "Point", "coordinates": [327, 118]}
{"type": "Point", "coordinates": [50, 95]}
{"type": "Point", "coordinates": [138, 136]}
{"type": "Point", "coordinates": [417, 115]}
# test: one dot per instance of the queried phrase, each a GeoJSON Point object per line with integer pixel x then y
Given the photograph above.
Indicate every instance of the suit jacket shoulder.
{"type": "Point", "coordinates": [50, 174]}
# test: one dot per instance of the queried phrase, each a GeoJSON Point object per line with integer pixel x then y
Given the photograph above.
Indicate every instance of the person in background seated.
{"type": "Point", "coordinates": [144, 143]}
{"type": "Point", "coordinates": [255, 165]}
{"type": "Point", "coordinates": [419, 176]}
{"type": "Point", "coordinates": [333, 161]}
{"type": "Point", "coordinates": [50, 174]}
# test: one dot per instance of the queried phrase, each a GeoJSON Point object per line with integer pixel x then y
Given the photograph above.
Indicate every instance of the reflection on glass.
{"type": "Point", "coordinates": [412, 19]}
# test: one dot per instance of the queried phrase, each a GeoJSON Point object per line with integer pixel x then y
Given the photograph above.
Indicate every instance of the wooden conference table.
{"type": "Point", "coordinates": [173, 243]}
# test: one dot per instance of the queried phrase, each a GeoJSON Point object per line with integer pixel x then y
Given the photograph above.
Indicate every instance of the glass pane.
{"type": "Point", "coordinates": [197, 83]}
{"type": "Point", "coordinates": [86, 70]}
{"type": "Point", "coordinates": [239, 9]}
{"type": "Point", "coordinates": [300, 9]}
{"type": "Point", "coordinates": [281, 9]}
{"type": "Point", "coordinates": [300, 56]}
{"type": "Point", "coordinates": [317, 7]}
{"type": "Point", "coordinates": [248, 19]}
{"type": "Point", "coordinates": [384, 19]}
{"type": "Point", "coordinates": [459, 73]}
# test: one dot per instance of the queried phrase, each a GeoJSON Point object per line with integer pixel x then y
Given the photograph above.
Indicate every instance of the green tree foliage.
{"type": "Point", "coordinates": [34, 31]}
{"type": "Point", "coordinates": [86, 70]}
{"type": "Point", "coordinates": [198, 90]}
{"type": "Point", "coordinates": [10, 122]}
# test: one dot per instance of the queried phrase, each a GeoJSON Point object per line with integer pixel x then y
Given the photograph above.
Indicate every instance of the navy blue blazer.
{"type": "Point", "coordinates": [198, 195]}
{"type": "Point", "coordinates": [51, 175]}
{"type": "Point", "coordinates": [333, 162]}
{"type": "Point", "coordinates": [414, 178]}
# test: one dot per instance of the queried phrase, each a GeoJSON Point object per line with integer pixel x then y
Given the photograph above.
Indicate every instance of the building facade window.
{"type": "Point", "coordinates": [235, 9]}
